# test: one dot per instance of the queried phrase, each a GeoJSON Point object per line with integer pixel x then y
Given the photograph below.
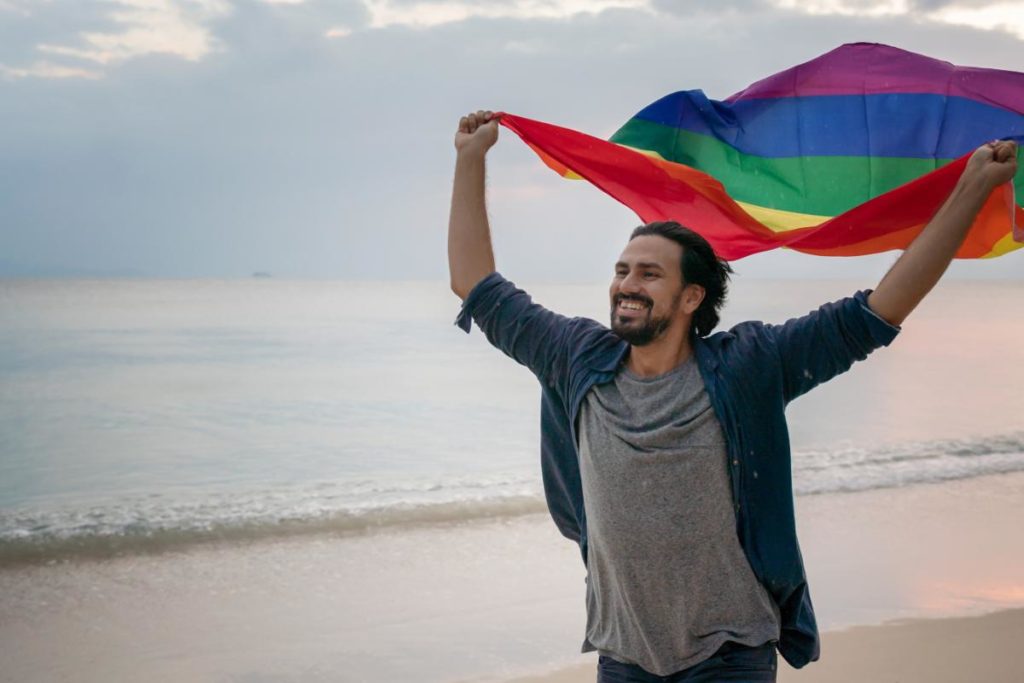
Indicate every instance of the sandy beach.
{"type": "Point", "coordinates": [953, 650]}
{"type": "Point", "coordinates": [497, 600]}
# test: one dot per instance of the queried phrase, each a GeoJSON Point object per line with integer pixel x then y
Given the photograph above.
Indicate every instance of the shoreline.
{"type": "Point", "coordinates": [489, 600]}
{"type": "Point", "coordinates": [123, 532]}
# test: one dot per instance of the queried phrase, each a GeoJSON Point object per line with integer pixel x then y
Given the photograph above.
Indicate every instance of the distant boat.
{"type": "Point", "coordinates": [261, 273]}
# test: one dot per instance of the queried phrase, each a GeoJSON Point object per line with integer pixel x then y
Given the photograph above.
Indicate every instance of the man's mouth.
{"type": "Point", "coordinates": [631, 305]}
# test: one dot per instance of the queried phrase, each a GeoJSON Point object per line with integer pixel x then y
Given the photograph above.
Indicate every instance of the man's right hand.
{"type": "Point", "coordinates": [477, 132]}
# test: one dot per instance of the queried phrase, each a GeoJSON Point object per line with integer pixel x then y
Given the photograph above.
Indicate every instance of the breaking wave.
{"type": "Point", "coordinates": [162, 522]}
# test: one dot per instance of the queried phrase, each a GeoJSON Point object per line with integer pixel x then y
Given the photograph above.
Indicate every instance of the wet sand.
{"type": "Point", "coordinates": [953, 650]}
{"type": "Point", "coordinates": [502, 599]}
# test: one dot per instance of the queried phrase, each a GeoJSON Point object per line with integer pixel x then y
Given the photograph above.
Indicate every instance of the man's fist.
{"type": "Point", "coordinates": [477, 132]}
{"type": "Point", "coordinates": [994, 163]}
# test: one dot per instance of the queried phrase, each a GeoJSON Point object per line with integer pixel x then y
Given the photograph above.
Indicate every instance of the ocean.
{"type": "Point", "coordinates": [144, 414]}
{"type": "Point", "coordinates": [264, 480]}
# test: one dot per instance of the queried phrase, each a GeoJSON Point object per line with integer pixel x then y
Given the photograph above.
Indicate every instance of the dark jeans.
{"type": "Point", "coordinates": [732, 662]}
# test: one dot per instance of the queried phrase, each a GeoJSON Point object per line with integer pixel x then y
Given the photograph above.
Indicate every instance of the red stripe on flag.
{"type": "Point", "coordinates": [663, 190]}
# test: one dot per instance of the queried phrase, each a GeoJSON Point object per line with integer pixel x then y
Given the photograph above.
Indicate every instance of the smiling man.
{"type": "Point", "coordinates": [665, 453]}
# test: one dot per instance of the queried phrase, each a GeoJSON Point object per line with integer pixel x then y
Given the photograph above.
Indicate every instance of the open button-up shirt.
{"type": "Point", "coordinates": [751, 372]}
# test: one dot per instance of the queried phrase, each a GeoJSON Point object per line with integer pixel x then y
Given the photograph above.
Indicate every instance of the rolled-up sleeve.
{"type": "Point", "coordinates": [882, 331]}
{"type": "Point", "coordinates": [489, 285]}
{"type": "Point", "coordinates": [826, 342]}
{"type": "Point", "coordinates": [525, 331]}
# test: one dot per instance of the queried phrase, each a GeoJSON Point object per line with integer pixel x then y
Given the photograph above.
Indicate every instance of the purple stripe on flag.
{"type": "Point", "coordinates": [871, 68]}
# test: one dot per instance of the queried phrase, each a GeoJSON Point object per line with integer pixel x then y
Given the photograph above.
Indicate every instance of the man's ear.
{"type": "Point", "coordinates": [693, 295]}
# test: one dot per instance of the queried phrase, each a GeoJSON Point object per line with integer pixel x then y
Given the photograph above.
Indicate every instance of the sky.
{"type": "Point", "coordinates": [217, 138]}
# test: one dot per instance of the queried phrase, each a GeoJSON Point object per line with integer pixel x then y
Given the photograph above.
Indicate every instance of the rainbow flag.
{"type": "Point", "coordinates": [850, 153]}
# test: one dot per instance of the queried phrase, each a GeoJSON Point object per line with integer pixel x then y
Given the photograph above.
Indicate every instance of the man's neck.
{"type": "Point", "coordinates": [660, 356]}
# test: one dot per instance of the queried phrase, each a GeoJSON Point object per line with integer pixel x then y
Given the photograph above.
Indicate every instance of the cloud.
{"type": "Point", "coordinates": [427, 14]}
{"type": "Point", "coordinates": [1005, 16]}
{"type": "Point", "coordinates": [338, 32]}
{"type": "Point", "coordinates": [285, 151]}
{"type": "Point", "coordinates": [83, 40]}
{"type": "Point", "coordinates": [855, 8]}
{"type": "Point", "coordinates": [119, 31]}
{"type": "Point", "coordinates": [526, 47]}
{"type": "Point", "coordinates": [936, 4]}
{"type": "Point", "coordinates": [149, 27]}
{"type": "Point", "coordinates": [12, 6]}
{"type": "Point", "coordinates": [46, 70]}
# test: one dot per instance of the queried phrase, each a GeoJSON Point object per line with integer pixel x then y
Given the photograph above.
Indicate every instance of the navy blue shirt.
{"type": "Point", "coordinates": [751, 372]}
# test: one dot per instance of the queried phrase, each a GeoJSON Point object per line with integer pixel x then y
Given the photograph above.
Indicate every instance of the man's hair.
{"type": "Point", "coordinates": [699, 266]}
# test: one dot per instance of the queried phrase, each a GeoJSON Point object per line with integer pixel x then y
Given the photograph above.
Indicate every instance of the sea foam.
{"type": "Point", "coordinates": [158, 522]}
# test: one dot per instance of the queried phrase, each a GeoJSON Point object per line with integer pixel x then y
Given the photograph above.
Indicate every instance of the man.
{"type": "Point", "coordinates": [665, 452]}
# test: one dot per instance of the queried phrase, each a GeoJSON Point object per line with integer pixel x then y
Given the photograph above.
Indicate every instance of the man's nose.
{"type": "Point", "coordinates": [630, 284]}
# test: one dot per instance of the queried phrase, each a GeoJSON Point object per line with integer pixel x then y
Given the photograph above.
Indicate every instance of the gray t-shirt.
{"type": "Point", "coordinates": [668, 582]}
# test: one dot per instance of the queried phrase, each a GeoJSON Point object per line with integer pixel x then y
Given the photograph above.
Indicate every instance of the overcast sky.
{"type": "Point", "coordinates": [191, 138]}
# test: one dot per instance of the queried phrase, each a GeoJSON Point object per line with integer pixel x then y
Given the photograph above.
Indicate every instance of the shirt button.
{"type": "Point", "coordinates": [735, 463]}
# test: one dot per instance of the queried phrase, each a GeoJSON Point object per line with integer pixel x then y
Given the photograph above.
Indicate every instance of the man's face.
{"type": "Point", "coordinates": [647, 290]}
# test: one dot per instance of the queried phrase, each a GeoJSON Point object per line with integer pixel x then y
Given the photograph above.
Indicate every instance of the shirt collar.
{"type": "Point", "coordinates": [610, 360]}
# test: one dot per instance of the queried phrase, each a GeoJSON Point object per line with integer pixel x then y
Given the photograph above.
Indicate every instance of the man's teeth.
{"type": "Point", "coordinates": [632, 305]}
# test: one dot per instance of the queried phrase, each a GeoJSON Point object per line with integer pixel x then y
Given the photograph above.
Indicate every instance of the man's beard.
{"type": "Point", "coordinates": [651, 328]}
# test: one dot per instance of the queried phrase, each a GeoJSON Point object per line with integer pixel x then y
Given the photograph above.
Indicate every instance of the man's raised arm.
{"type": "Point", "coordinates": [470, 256]}
{"type": "Point", "coordinates": [928, 256]}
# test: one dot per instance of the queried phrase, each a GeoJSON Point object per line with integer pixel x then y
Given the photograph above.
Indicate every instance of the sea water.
{"type": "Point", "coordinates": [140, 413]}
{"type": "Point", "coordinates": [266, 480]}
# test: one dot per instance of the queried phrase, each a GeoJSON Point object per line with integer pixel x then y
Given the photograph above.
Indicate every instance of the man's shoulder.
{"type": "Point", "coordinates": [757, 331]}
{"type": "Point", "coordinates": [743, 348]}
{"type": "Point", "coordinates": [593, 339]}
{"type": "Point", "coordinates": [747, 332]}
{"type": "Point", "coordinates": [592, 331]}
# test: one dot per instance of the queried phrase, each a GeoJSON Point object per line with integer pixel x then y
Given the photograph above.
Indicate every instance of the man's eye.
{"type": "Point", "coordinates": [650, 276]}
